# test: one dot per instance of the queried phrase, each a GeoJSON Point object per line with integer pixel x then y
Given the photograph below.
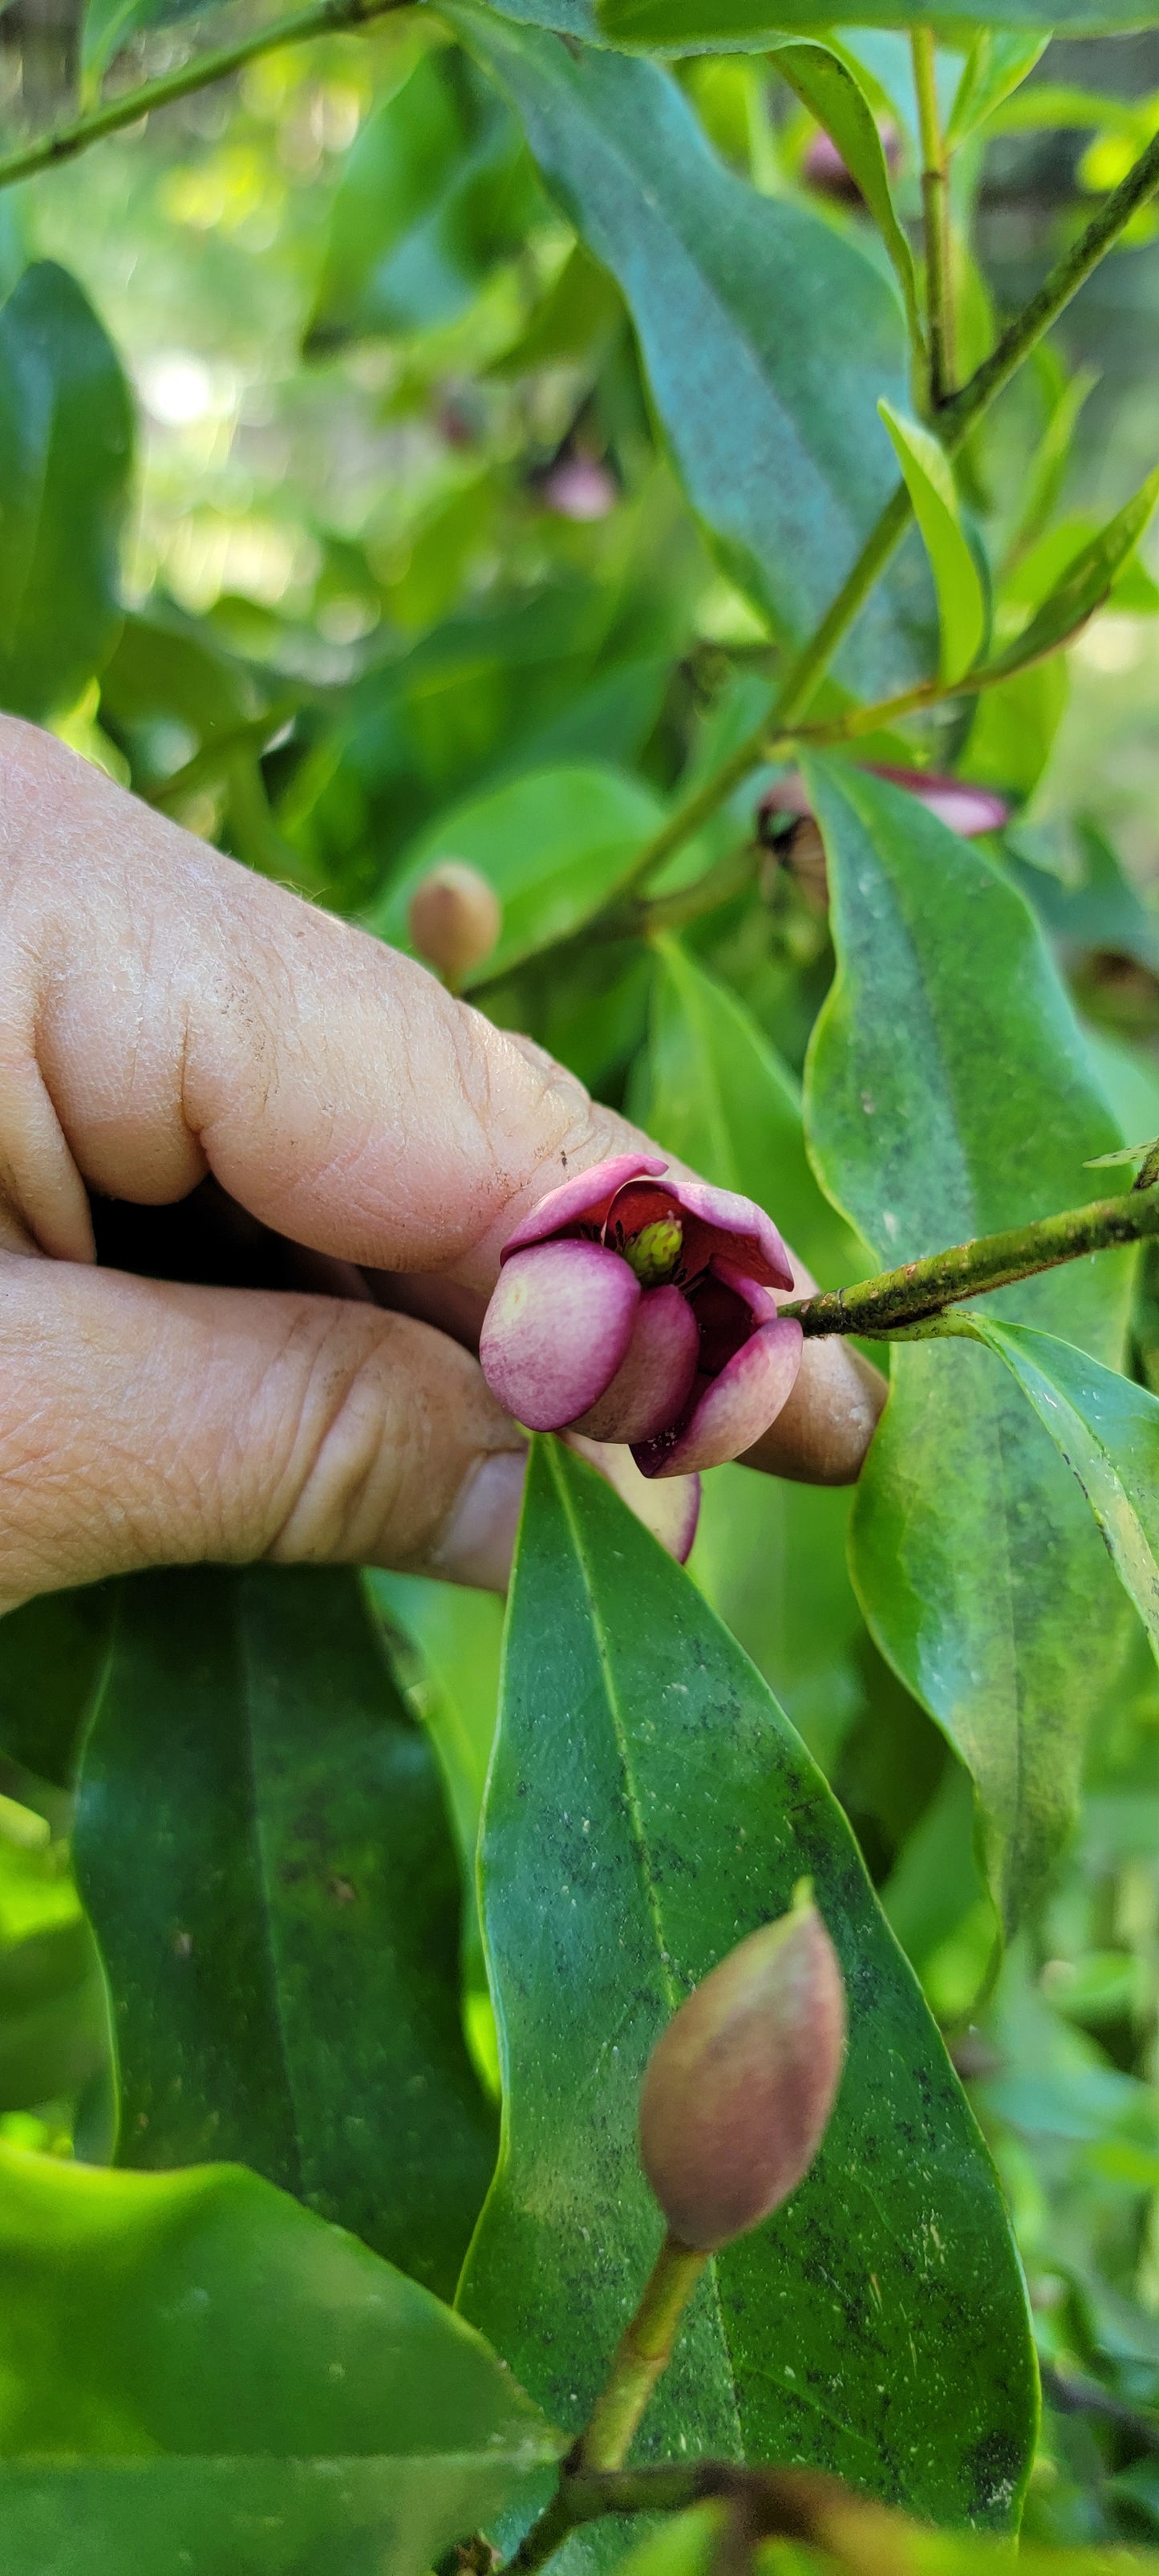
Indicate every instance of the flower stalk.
{"type": "Point", "coordinates": [642, 2357]}
{"type": "Point", "coordinates": [903, 1301]}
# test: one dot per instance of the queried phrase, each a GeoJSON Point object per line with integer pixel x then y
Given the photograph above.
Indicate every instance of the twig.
{"type": "Point", "coordinates": [763, 2504]}
{"type": "Point", "coordinates": [935, 218]}
{"type": "Point", "coordinates": [956, 419]}
{"type": "Point", "coordinates": [326, 17]}
{"type": "Point", "coordinates": [898, 1300]}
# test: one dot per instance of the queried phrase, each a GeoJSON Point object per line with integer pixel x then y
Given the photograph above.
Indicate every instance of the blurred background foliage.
{"type": "Point", "coordinates": [404, 570]}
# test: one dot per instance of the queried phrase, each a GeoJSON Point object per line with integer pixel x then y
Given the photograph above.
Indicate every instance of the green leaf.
{"type": "Point", "coordinates": [197, 2374]}
{"type": "Point", "coordinates": [930, 482]}
{"type": "Point", "coordinates": [262, 1847]}
{"type": "Point", "coordinates": [699, 26]}
{"type": "Point", "coordinates": [828, 87]}
{"type": "Point", "coordinates": [53, 2022]}
{"type": "Point", "coordinates": [1107, 1429]}
{"type": "Point", "coordinates": [53, 1654]}
{"type": "Point", "coordinates": [1086, 583]}
{"type": "Point", "coordinates": [66, 442]}
{"type": "Point", "coordinates": [714, 1092]}
{"type": "Point", "coordinates": [647, 1806]}
{"type": "Point", "coordinates": [766, 335]}
{"type": "Point", "coordinates": [436, 188]}
{"type": "Point", "coordinates": [996, 64]}
{"type": "Point", "coordinates": [949, 1093]}
{"type": "Point", "coordinates": [554, 844]}
{"type": "Point", "coordinates": [1014, 728]}
{"type": "Point", "coordinates": [1101, 909]}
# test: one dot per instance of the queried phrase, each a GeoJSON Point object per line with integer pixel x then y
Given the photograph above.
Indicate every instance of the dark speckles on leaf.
{"type": "Point", "coordinates": [669, 1745]}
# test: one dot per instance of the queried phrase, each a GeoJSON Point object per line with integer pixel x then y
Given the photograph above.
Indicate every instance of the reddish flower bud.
{"type": "Point", "coordinates": [455, 918]}
{"type": "Point", "coordinates": [739, 2088]}
{"type": "Point", "coordinates": [638, 1310]}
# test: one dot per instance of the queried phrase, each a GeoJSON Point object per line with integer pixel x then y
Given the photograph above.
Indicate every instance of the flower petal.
{"type": "Point", "coordinates": [582, 1201]}
{"type": "Point", "coordinates": [730, 1411]}
{"type": "Point", "coordinates": [653, 1383]}
{"type": "Point", "coordinates": [556, 1330]}
{"type": "Point", "coordinates": [735, 1229]}
{"type": "Point", "coordinates": [669, 1507]}
{"type": "Point", "coordinates": [956, 801]}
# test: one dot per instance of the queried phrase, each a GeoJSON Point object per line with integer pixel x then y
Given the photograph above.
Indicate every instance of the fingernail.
{"type": "Point", "coordinates": [478, 1542]}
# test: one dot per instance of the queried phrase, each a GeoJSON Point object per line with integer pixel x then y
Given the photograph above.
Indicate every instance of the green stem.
{"type": "Point", "coordinates": [643, 2355]}
{"type": "Point", "coordinates": [917, 1293]}
{"type": "Point", "coordinates": [1055, 293]}
{"type": "Point", "coordinates": [326, 17]}
{"type": "Point", "coordinates": [701, 806]}
{"type": "Point", "coordinates": [865, 2538]}
{"type": "Point", "coordinates": [936, 218]}
{"type": "Point", "coordinates": [957, 418]}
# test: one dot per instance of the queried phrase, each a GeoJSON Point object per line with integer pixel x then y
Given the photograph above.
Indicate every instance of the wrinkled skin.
{"type": "Point", "coordinates": [312, 1157]}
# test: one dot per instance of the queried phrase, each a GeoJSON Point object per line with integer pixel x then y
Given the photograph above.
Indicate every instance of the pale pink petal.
{"type": "Point", "coordinates": [669, 1507]}
{"type": "Point", "coordinates": [738, 1230]}
{"type": "Point", "coordinates": [582, 1201]}
{"type": "Point", "coordinates": [556, 1330]}
{"type": "Point", "coordinates": [653, 1383]}
{"type": "Point", "coordinates": [967, 809]}
{"type": "Point", "coordinates": [732, 1410]}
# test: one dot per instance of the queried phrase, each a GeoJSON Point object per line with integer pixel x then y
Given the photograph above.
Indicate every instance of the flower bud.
{"type": "Point", "coordinates": [455, 919]}
{"type": "Point", "coordinates": [739, 2088]}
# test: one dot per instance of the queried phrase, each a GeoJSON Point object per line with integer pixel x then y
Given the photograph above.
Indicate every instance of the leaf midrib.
{"type": "Point", "coordinates": [636, 1821]}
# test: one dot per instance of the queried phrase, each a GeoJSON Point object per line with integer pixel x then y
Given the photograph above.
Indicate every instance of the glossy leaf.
{"type": "Point", "coordinates": [433, 192]}
{"type": "Point", "coordinates": [1086, 583]}
{"type": "Point", "coordinates": [648, 1805]}
{"type": "Point", "coordinates": [996, 65]}
{"type": "Point", "coordinates": [262, 1847]}
{"type": "Point", "coordinates": [196, 2373]}
{"type": "Point", "coordinates": [713, 1091]}
{"type": "Point", "coordinates": [1107, 1429]}
{"type": "Point", "coordinates": [53, 2022]}
{"type": "Point", "coordinates": [53, 1654]}
{"type": "Point", "coordinates": [930, 481]}
{"type": "Point", "coordinates": [942, 1105]}
{"type": "Point", "coordinates": [555, 844]}
{"type": "Point", "coordinates": [694, 26]}
{"type": "Point", "coordinates": [828, 87]}
{"type": "Point", "coordinates": [66, 437]}
{"type": "Point", "coordinates": [731, 290]}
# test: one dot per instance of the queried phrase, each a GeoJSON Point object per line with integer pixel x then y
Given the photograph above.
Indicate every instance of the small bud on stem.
{"type": "Point", "coordinates": [455, 919]}
{"type": "Point", "coordinates": [735, 2103]}
{"type": "Point", "coordinates": [740, 2086]}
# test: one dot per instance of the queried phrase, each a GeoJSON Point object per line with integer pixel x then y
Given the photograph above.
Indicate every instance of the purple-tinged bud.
{"type": "Point", "coordinates": [739, 2088]}
{"type": "Point", "coordinates": [455, 919]}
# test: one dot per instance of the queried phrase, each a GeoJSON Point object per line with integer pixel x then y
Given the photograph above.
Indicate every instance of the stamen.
{"type": "Point", "coordinates": [654, 1253]}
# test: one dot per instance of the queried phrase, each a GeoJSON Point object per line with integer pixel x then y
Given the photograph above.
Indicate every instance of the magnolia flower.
{"type": "Point", "coordinates": [638, 1310]}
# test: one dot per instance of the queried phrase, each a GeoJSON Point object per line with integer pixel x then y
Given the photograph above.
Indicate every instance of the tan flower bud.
{"type": "Point", "coordinates": [739, 2088]}
{"type": "Point", "coordinates": [455, 918]}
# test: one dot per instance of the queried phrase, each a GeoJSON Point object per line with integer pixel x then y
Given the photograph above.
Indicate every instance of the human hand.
{"type": "Point", "coordinates": [171, 1023]}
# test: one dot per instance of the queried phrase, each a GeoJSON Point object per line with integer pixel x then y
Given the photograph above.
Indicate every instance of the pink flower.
{"type": "Point", "coordinates": [637, 1310]}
